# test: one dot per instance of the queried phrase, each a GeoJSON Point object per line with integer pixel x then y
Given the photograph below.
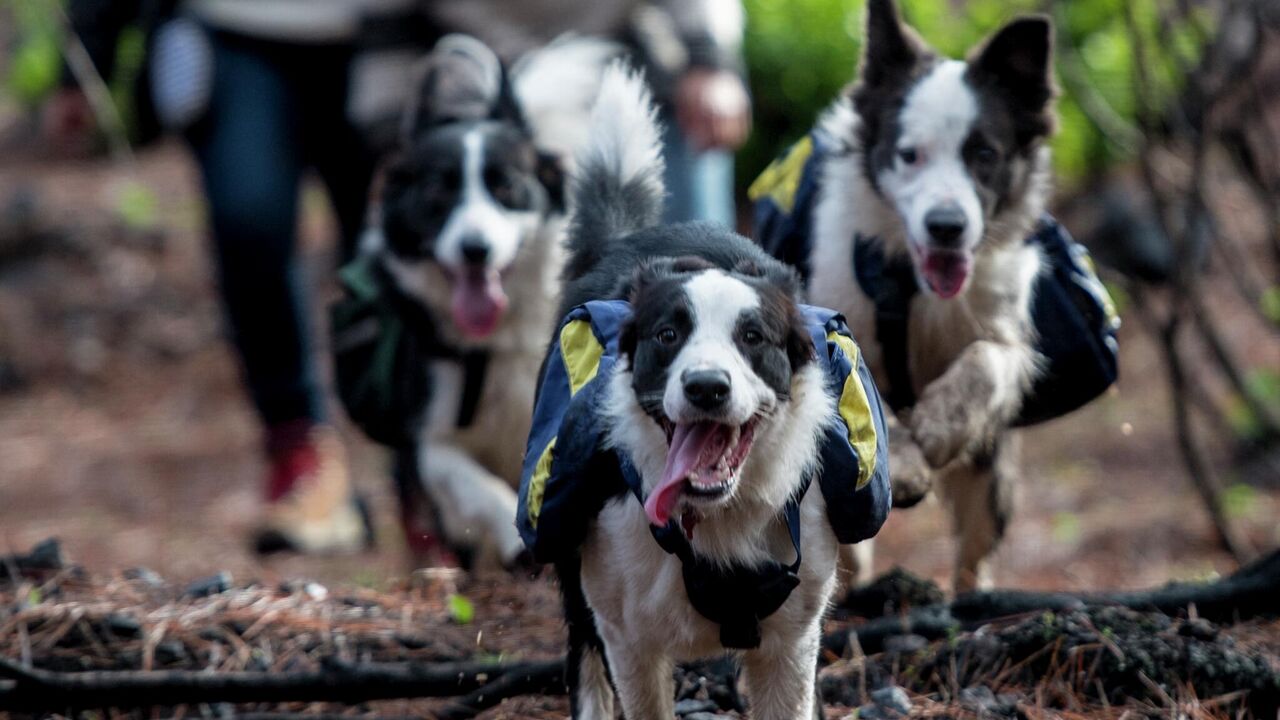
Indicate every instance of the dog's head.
{"type": "Point", "coordinates": [713, 357]}
{"type": "Point", "coordinates": [468, 188]}
{"type": "Point", "coordinates": [948, 143]}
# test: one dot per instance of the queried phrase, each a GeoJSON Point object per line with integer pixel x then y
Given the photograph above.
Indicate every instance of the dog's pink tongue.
{"type": "Point", "coordinates": [478, 302]}
{"type": "Point", "coordinates": [690, 443]}
{"type": "Point", "coordinates": [946, 271]}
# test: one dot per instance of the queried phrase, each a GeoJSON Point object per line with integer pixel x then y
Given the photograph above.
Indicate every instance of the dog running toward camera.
{"type": "Point", "coordinates": [697, 489]}
{"type": "Point", "coordinates": [939, 168]}
{"type": "Point", "coordinates": [471, 233]}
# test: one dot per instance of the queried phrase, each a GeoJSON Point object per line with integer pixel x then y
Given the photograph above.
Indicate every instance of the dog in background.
{"type": "Point", "coordinates": [471, 226]}
{"type": "Point", "coordinates": [945, 163]}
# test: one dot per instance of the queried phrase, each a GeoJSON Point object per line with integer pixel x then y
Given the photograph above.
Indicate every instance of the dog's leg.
{"type": "Point", "coordinates": [980, 495]}
{"type": "Point", "coordinates": [972, 401]}
{"type": "Point", "coordinates": [586, 674]}
{"type": "Point", "coordinates": [781, 675]}
{"type": "Point", "coordinates": [854, 567]}
{"type": "Point", "coordinates": [643, 677]}
{"type": "Point", "coordinates": [477, 510]}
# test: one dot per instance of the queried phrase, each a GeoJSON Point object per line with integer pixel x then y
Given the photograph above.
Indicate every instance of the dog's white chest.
{"type": "Point", "coordinates": [637, 590]}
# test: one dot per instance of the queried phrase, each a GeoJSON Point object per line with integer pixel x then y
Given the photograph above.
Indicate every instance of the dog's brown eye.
{"type": "Point", "coordinates": [752, 337]}
{"type": "Point", "coordinates": [666, 336]}
{"type": "Point", "coordinates": [909, 155]}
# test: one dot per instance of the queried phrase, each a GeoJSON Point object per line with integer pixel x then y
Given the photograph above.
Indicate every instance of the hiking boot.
{"type": "Point", "coordinates": [311, 506]}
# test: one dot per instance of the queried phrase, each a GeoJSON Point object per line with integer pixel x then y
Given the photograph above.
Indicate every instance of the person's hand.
{"type": "Point", "coordinates": [67, 122]}
{"type": "Point", "coordinates": [713, 109]}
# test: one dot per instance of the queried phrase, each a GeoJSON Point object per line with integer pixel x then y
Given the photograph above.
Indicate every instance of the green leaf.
{"type": "Point", "coordinates": [1239, 501]}
{"type": "Point", "coordinates": [34, 597]}
{"type": "Point", "coordinates": [461, 610]}
{"type": "Point", "coordinates": [35, 68]}
{"type": "Point", "coordinates": [1066, 528]}
{"type": "Point", "coordinates": [1270, 303]}
{"type": "Point", "coordinates": [136, 206]}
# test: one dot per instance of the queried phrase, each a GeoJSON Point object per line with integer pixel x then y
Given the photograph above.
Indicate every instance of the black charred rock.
{"type": "Point", "coordinates": [891, 593]}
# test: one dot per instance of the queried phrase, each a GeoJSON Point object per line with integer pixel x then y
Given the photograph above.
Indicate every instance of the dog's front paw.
{"type": "Point", "coordinates": [945, 422]}
{"type": "Point", "coordinates": [911, 477]}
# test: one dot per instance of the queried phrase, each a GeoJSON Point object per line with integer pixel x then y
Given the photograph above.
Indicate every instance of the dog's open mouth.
{"type": "Point", "coordinates": [946, 271]}
{"type": "Point", "coordinates": [478, 300]}
{"type": "Point", "coordinates": [703, 461]}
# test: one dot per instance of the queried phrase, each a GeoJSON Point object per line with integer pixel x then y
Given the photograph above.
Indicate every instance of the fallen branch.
{"type": "Point", "coordinates": [1249, 592]}
{"type": "Point", "coordinates": [35, 690]}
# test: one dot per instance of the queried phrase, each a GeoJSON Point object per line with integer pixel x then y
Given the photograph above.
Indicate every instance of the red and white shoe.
{"type": "Point", "coordinates": [311, 506]}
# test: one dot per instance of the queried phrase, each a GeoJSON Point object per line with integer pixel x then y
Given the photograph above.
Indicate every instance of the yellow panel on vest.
{"type": "Point", "coordinates": [581, 352]}
{"type": "Point", "coordinates": [855, 410]}
{"type": "Point", "coordinates": [538, 484]}
{"type": "Point", "coordinates": [781, 179]}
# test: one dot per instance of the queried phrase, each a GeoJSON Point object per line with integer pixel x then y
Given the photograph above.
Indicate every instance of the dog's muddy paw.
{"type": "Point", "coordinates": [942, 424]}
{"type": "Point", "coordinates": [911, 477]}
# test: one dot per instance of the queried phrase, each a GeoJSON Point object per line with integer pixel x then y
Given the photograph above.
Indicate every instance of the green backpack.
{"type": "Point", "coordinates": [382, 346]}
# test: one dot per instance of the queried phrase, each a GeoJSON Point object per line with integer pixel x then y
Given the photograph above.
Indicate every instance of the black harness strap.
{"type": "Point", "coordinates": [738, 597]}
{"type": "Point", "coordinates": [475, 365]}
{"type": "Point", "coordinates": [892, 286]}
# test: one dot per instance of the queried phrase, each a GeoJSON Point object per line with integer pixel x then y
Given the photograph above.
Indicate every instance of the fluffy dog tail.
{"type": "Point", "coordinates": [557, 85]}
{"type": "Point", "coordinates": [617, 185]}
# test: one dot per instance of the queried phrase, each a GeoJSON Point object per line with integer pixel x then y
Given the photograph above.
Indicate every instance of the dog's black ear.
{"type": "Point", "coordinates": [627, 339]}
{"type": "Point", "coordinates": [890, 48]}
{"type": "Point", "coordinates": [691, 263]}
{"type": "Point", "coordinates": [506, 106]}
{"type": "Point", "coordinates": [551, 174]}
{"type": "Point", "coordinates": [461, 79]}
{"type": "Point", "coordinates": [799, 343]}
{"type": "Point", "coordinates": [783, 277]}
{"type": "Point", "coordinates": [1018, 62]}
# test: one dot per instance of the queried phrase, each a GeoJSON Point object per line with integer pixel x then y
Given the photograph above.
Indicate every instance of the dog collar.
{"type": "Point", "coordinates": [736, 597]}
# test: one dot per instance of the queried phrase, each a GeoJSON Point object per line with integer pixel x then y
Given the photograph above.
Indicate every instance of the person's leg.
{"type": "Point", "coordinates": [332, 145]}
{"type": "Point", "coordinates": [251, 161]}
{"type": "Point", "coordinates": [699, 184]}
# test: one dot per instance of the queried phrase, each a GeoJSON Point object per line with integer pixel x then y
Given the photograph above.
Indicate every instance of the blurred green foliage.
{"type": "Point", "coordinates": [36, 62]}
{"type": "Point", "coordinates": [801, 53]}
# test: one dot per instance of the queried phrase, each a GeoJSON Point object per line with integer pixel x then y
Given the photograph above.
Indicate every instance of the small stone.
{"type": "Point", "coordinates": [905, 644]}
{"type": "Point", "coordinates": [171, 652]}
{"type": "Point", "coordinates": [123, 626]}
{"type": "Point", "coordinates": [146, 576]}
{"type": "Point", "coordinates": [212, 585]}
{"type": "Point", "coordinates": [691, 706]}
{"type": "Point", "coordinates": [892, 699]}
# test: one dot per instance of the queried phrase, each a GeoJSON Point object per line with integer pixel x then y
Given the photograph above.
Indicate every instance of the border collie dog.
{"type": "Point", "coordinates": [944, 162]}
{"type": "Point", "coordinates": [472, 226]}
{"type": "Point", "coordinates": [718, 402]}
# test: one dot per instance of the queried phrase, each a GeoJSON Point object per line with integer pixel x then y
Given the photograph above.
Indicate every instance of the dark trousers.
{"type": "Point", "coordinates": [276, 111]}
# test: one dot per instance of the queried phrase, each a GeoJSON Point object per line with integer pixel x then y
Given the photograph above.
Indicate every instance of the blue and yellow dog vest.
{"type": "Point", "coordinates": [569, 473]}
{"type": "Point", "coordinates": [1074, 317]}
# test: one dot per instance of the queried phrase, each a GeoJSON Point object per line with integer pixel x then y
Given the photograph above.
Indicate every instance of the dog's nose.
{"type": "Point", "coordinates": [945, 225]}
{"type": "Point", "coordinates": [706, 389]}
{"type": "Point", "coordinates": [475, 251]}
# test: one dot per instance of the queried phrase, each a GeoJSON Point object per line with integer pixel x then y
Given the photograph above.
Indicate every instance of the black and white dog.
{"type": "Point", "coordinates": [944, 162]}
{"type": "Point", "coordinates": [472, 228]}
{"type": "Point", "coordinates": [719, 403]}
